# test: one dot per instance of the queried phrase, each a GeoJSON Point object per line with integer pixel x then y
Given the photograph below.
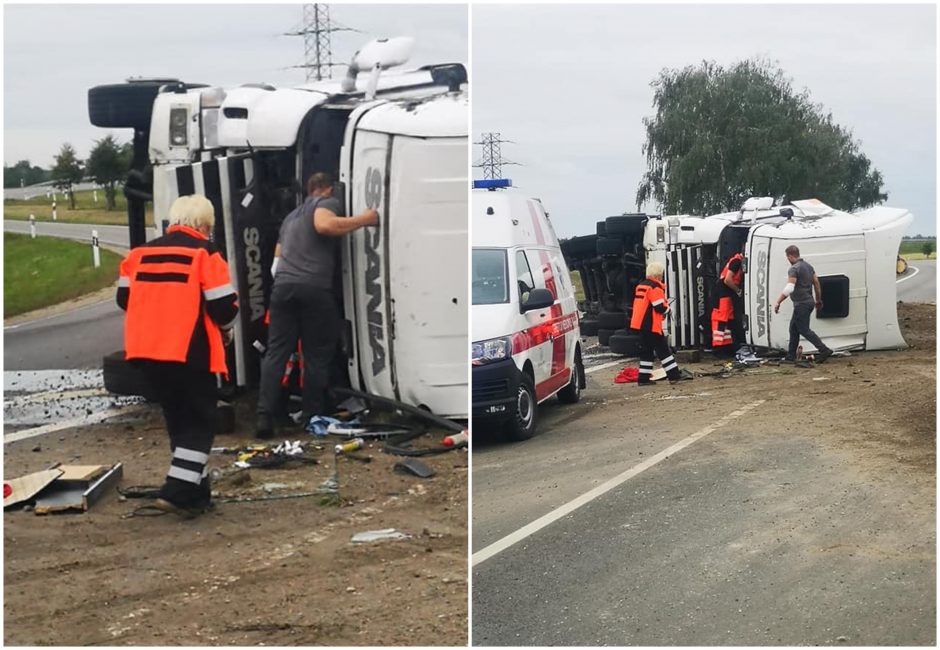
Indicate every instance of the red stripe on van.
{"type": "Point", "coordinates": [538, 334]}
{"type": "Point", "coordinates": [539, 237]}
{"type": "Point", "coordinates": [552, 384]}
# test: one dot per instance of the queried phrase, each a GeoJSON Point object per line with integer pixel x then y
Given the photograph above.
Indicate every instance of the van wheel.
{"type": "Point", "coordinates": [522, 424]}
{"type": "Point", "coordinates": [571, 393]}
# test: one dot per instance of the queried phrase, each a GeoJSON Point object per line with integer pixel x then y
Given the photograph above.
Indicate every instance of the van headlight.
{"type": "Point", "coordinates": [491, 350]}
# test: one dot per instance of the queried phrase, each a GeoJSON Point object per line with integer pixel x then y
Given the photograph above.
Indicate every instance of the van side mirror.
{"type": "Point", "coordinates": [538, 299]}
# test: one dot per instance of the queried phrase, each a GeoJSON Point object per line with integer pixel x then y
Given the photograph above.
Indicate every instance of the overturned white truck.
{"type": "Point", "coordinates": [396, 142]}
{"type": "Point", "coordinates": [854, 255]}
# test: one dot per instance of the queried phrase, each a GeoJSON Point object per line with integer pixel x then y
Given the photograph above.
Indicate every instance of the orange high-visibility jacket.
{"type": "Point", "coordinates": [723, 313]}
{"type": "Point", "coordinates": [178, 296]}
{"type": "Point", "coordinates": [649, 306]}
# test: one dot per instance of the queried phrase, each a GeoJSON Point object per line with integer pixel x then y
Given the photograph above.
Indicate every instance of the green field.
{"type": "Point", "coordinates": [86, 210]}
{"type": "Point", "coordinates": [46, 271]}
{"type": "Point", "coordinates": [911, 249]}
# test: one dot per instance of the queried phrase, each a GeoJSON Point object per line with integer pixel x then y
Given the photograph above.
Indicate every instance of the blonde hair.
{"type": "Point", "coordinates": [655, 270]}
{"type": "Point", "coordinates": [194, 211]}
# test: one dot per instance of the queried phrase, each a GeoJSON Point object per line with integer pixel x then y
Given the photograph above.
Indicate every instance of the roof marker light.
{"type": "Point", "coordinates": [491, 183]}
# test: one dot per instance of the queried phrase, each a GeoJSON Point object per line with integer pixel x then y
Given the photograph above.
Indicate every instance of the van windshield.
{"type": "Point", "coordinates": [490, 281]}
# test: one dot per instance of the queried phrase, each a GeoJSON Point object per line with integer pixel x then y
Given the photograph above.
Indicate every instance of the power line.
{"type": "Point", "coordinates": [493, 161]}
{"type": "Point", "coordinates": [317, 31]}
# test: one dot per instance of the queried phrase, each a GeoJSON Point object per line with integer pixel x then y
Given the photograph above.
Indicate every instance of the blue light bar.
{"type": "Point", "coordinates": [492, 183]}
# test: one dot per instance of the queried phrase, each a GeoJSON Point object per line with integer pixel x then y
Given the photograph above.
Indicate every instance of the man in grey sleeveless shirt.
{"type": "Point", "coordinates": [801, 282]}
{"type": "Point", "coordinates": [302, 301]}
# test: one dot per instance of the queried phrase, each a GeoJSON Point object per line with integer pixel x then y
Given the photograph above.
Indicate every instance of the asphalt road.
{"type": "Point", "coordinates": [117, 236]}
{"type": "Point", "coordinates": [919, 282]}
{"type": "Point", "coordinates": [753, 535]}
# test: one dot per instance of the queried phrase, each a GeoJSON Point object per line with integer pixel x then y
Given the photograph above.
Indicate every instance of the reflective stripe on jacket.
{"type": "Point", "coordinates": [178, 296]}
{"type": "Point", "coordinates": [721, 316]}
{"type": "Point", "coordinates": [649, 306]}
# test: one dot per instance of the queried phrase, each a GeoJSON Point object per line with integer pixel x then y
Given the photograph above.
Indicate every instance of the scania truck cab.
{"type": "Point", "coordinates": [395, 141]}
{"type": "Point", "coordinates": [854, 255]}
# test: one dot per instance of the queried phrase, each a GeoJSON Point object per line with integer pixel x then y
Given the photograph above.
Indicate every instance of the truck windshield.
{"type": "Point", "coordinates": [490, 281]}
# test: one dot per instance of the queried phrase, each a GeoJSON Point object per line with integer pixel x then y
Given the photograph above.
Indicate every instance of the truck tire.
{"type": "Point", "coordinates": [607, 246]}
{"type": "Point", "coordinates": [602, 228]}
{"type": "Point", "coordinates": [523, 419]}
{"type": "Point", "coordinates": [612, 320]}
{"type": "Point", "coordinates": [580, 247]}
{"type": "Point", "coordinates": [589, 327]}
{"type": "Point", "coordinates": [603, 335]}
{"type": "Point", "coordinates": [123, 378]}
{"type": "Point", "coordinates": [625, 344]}
{"type": "Point", "coordinates": [571, 393]}
{"type": "Point", "coordinates": [224, 417]}
{"type": "Point", "coordinates": [627, 224]}
{"type": "Point", "coordinates": [127, 105]}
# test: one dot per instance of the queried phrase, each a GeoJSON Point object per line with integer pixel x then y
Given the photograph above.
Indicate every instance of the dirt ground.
{"type": "Point", "coordinates": [276, 572]}
{"type": "Point", "coordinates": [883, 403]}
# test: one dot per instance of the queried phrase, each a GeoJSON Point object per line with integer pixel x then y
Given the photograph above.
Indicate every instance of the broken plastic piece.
{"type": "Point", "coordinates": [414, 466]}
{"type": "Point", "coordinates": [378, 536]}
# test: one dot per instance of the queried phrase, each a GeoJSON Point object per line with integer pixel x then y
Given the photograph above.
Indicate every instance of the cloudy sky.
{"type": "Point", "coordinates": [52, 54]}
{"type": "Point", "coordinates": [570, 86]}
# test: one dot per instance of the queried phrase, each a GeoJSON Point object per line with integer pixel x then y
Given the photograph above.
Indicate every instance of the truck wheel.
{"type": "Point", "coordinates": [123, 378]}
{"type": "Point", "coordinates": [589, 327]}
{"type": "Point", "coordinates": [571, 393]}
{"type": "Point", "coordinates": [625, 344]}
{"type": "Point", "coordinates": [612, 320]}
{"type": "Point", "coordinates": [608, 246]}
{"type": "Point", "coordinates": [523, 419]}
{"type": "Point", "coordinates": [580, 247]}
{"type": "Point", "coordinates": [603, 335]}
{"type": "Point", "coordinates": [224, 417]}
{"type": "Point", "coordinates": [123, 105]}
{"type": "Point", "coordinates": [627, 224]}
{"type": "Point", "coordinates": [602, 228]}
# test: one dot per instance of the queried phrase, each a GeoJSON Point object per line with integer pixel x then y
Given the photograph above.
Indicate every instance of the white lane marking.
{"type": "Point", "coordinates": [51, 395]}
{"type": "Point", "coordinates": [514, 538]}
{"type": "Point", "coordinates": [58, 315]}
{"type": "Point", "coordinates": [588, 371]}
{"type": "Point", "coordinates": [908, 277]}
{"type": "Point", "coordinates": [67, 424]}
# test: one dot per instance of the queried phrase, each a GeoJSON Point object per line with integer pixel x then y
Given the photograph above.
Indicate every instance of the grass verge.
{"type": "Point", "coordinates": [86, 210]}
{"type": "Point", "coordinates": [46, 271]}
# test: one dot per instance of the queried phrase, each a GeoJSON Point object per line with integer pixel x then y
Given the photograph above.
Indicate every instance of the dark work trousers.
{"type": "Point", "coordinates": [188, 398]}
{"type": "Point", "coordinates": [656, 343]}
{"type": "Point", "coordinates": [312, 315]}
{"type": "Point", "coordinates": [799, 326]}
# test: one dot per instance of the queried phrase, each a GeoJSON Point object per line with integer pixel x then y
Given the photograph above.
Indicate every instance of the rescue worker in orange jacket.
{"type": "Point", "coordinates": [649, 309]}
{"type": "Point", "coordinates": [181, 308]}
{"type": "Point", "coordinates": [727, 328]}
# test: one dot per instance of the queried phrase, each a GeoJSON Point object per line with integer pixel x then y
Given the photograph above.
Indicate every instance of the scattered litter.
{"type": "Point", "coordinates": [353, 404]}
{"type": "Point", "coordinates": [821, 378]}
{"type": "Point", "coordinates": [353, 445]}
{"type": "Point", "coordinates": [78, 488]}
{"type": "Point", "coordinates": [26, 487]}
{"type": "Point", "coordinates": [414, 466]}
{"type": "Point", "coordinates": [627, 375]}
{"type": "Point", "coordinates": [378, 536]}
{"type": "Point", "coordinates": [353, 428]}
{"type": "Point", "coordinates": [461, 439]}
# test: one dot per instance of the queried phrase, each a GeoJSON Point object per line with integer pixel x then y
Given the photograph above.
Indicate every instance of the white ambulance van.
{"type": "Point", "coordinates": [526, 341]}
{"type": "Point", "coordinates": [854, 255]}
{"type": "Point", "coordinates": [396, 142]}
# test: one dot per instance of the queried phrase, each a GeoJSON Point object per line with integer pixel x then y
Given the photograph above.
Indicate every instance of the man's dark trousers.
{"type": "Point", "coordinates": [799, 326]}
{"type": "Point", "coordinates": [312, 315]}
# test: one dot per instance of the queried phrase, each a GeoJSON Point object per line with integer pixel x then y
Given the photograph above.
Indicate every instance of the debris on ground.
{"type": "Point", "coordinates": [378, 536]}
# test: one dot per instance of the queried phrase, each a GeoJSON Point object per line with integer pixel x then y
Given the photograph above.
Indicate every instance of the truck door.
{"type": "Point", "coordinates": [840, 265]}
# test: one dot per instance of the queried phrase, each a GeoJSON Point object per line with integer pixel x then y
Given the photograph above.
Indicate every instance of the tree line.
{"type": "Point", "coordinates": [720, 135]}
{"type": "Point", "coordinates": [107, 165]}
